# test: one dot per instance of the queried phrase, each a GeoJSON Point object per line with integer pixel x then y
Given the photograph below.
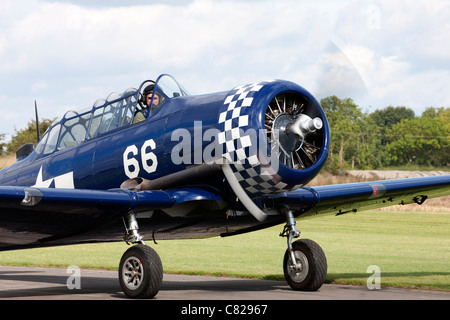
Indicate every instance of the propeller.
{"type": "Point", "coordinates": [293, 130]}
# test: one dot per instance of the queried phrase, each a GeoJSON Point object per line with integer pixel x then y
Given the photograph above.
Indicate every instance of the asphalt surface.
{"type": "Point", "coordinates": [31, 283]}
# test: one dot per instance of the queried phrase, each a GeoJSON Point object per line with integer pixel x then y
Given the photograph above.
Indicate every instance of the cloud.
{"type": "Point", "coordinates": [39, 86]}
{"type": "Point", "coordinates": [70, 53]}
{"type": "Point", "coordinates": [393, 46]}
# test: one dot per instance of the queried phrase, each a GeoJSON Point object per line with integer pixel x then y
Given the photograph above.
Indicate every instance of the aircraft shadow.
{"type": "Point", "coordinates": [39, 285]}
{"type": "Point", "coordinates": [225, 285]}
{"type": "Point", "coordinates": [34, 284]}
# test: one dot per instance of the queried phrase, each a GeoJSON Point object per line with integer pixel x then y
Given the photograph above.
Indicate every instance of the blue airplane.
{"type": "Point", "coordinates": [158, 163]}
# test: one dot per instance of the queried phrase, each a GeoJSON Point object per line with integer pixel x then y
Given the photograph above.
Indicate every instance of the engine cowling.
{"type": "Point", "coordinates": [275, 135]}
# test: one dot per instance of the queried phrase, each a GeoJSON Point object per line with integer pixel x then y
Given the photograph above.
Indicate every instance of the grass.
{"type": "Point", "coordinates": [7, 160]}
{"type": "Point", "coordinates": [410, 248]}
{"type": "Point", "coordinates": [410, 244]}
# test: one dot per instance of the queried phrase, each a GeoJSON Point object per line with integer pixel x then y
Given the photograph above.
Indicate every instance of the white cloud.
{"type": "Point", "coordinates": [39, 86]}
{"type": "Point", "coordinates": [70, 53]}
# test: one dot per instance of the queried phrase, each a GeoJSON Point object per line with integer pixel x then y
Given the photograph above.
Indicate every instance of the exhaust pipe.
{"type": "Point", "coordinates": [172, 180]}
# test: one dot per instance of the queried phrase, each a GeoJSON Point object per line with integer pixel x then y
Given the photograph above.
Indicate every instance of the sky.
{"type": "Point", "coordinates": [67, 54]}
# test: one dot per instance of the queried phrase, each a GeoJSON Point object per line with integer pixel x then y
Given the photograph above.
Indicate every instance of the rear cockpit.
{"type": "Point", "coordinates": [77, 126]}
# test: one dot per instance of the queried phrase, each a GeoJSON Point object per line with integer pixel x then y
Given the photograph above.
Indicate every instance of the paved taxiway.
{"type": "Point", "coordinates": [30, 283]}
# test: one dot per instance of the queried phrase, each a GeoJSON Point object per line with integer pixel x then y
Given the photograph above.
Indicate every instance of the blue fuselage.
{"type": "Point", "coordinates": [103, 162]}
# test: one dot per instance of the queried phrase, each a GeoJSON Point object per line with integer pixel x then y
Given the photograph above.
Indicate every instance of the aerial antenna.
{"type": "Point", "coordinates": [38, 131]}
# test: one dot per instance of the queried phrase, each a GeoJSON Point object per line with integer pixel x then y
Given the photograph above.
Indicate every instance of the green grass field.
{"type": "Point", "coordinates": [412, 250]}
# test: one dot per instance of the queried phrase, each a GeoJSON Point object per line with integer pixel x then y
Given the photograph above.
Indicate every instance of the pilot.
{"type": "Point", "coordinates": [147, 98]}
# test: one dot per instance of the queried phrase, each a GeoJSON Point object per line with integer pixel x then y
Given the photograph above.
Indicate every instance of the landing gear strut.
{"type": "Point", "coordinates": [304, 263]}
{"type": "Point", "coordinates": [140, 269]}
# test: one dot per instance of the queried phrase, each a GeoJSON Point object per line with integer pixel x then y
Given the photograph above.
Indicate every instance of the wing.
{"type": "Point", "coordinates": [353, 197]}
{"type": "Point", "coordinates": [38, 216]}
{"type": "Point", "coordinates": [89, 202]}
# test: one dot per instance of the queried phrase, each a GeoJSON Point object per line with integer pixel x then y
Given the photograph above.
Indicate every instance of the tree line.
{"type": "Point", "coordinates": [393, 136]}
{"type": "Point", "coordinates": [22, 136]}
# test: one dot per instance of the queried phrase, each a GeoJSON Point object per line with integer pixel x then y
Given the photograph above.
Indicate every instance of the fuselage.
{"type": "Point", "coordinates": [104, 162]}
{"type": "Point", "coordinates": [104, 146]}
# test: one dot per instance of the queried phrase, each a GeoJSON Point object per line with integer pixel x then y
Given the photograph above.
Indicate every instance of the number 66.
{"type": "Point", "coordinates": [131, 165]}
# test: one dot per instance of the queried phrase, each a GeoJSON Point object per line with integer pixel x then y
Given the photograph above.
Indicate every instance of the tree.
{"type": "Point", "coordinates": [350, 135]}
{"type": "Point", "coordinates": [27, 135]}
{"type": "Point", "coordinates": [2, 144]}
{"type": "Point", "coordinates": [389, 116]}
{"type": "Point", "coordinates": [367, 153]}
{"type": "Point", "coordinates": [423, 140]}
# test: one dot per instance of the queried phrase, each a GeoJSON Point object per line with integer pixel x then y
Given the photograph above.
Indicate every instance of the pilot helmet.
{"type": "Point", "coordinates": [148, 90]}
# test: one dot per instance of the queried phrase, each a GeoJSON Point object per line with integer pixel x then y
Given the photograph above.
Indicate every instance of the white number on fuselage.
{"type": "Point", "coordinates": [148, 159]}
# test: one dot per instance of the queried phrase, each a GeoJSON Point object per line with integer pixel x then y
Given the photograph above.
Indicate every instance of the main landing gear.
{"type": "Point", "coordinates": [304, 263]}
{"type": "Point", "coordinates": [140, 269]}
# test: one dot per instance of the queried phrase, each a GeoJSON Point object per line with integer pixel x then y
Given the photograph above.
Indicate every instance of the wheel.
{"type": "Point", "coordinates": [140, 272]}
{"type": "Point", "coordinates": [313, 266]}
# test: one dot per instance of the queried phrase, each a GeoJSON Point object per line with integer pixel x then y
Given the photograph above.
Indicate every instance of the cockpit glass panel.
{"type": "Point", "coordinates": [73, 131]}
{"type": "Point", "coordinates": [170, 87]}
{"type": "Point", "coordinates": [41, 145]}
{"type": "Point", "coordinates": [95, 123]}
{"type": "Point", "coordinates": [108, 116]}
{"type": "Point", "coordinates": [117, 113]}
{"type": "Point", "coordinates": [52, 140]}
{"type": "Point", "coordinates": [99, 103]}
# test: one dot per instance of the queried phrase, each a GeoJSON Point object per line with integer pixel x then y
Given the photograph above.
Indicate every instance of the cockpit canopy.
{"type": "Point", "coordinates": [117, 111]}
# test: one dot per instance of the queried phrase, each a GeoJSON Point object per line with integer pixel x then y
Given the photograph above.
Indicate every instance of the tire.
{"type": "Point", "coordinates": [314, 264]}
{"type": "Point", "coordinates": [140, 272]}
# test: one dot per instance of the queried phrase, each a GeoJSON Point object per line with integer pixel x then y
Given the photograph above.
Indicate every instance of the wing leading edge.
{"type": "Point", "coordinates": [353, 197]}
{"type": "Point", "coordinates": [34, 216]}
{"type": "Point", "coordinates": [81, 201]}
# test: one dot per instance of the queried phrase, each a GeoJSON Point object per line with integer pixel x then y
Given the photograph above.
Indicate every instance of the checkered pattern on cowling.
{"type": "Point", "coordinates": [234, 121]}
